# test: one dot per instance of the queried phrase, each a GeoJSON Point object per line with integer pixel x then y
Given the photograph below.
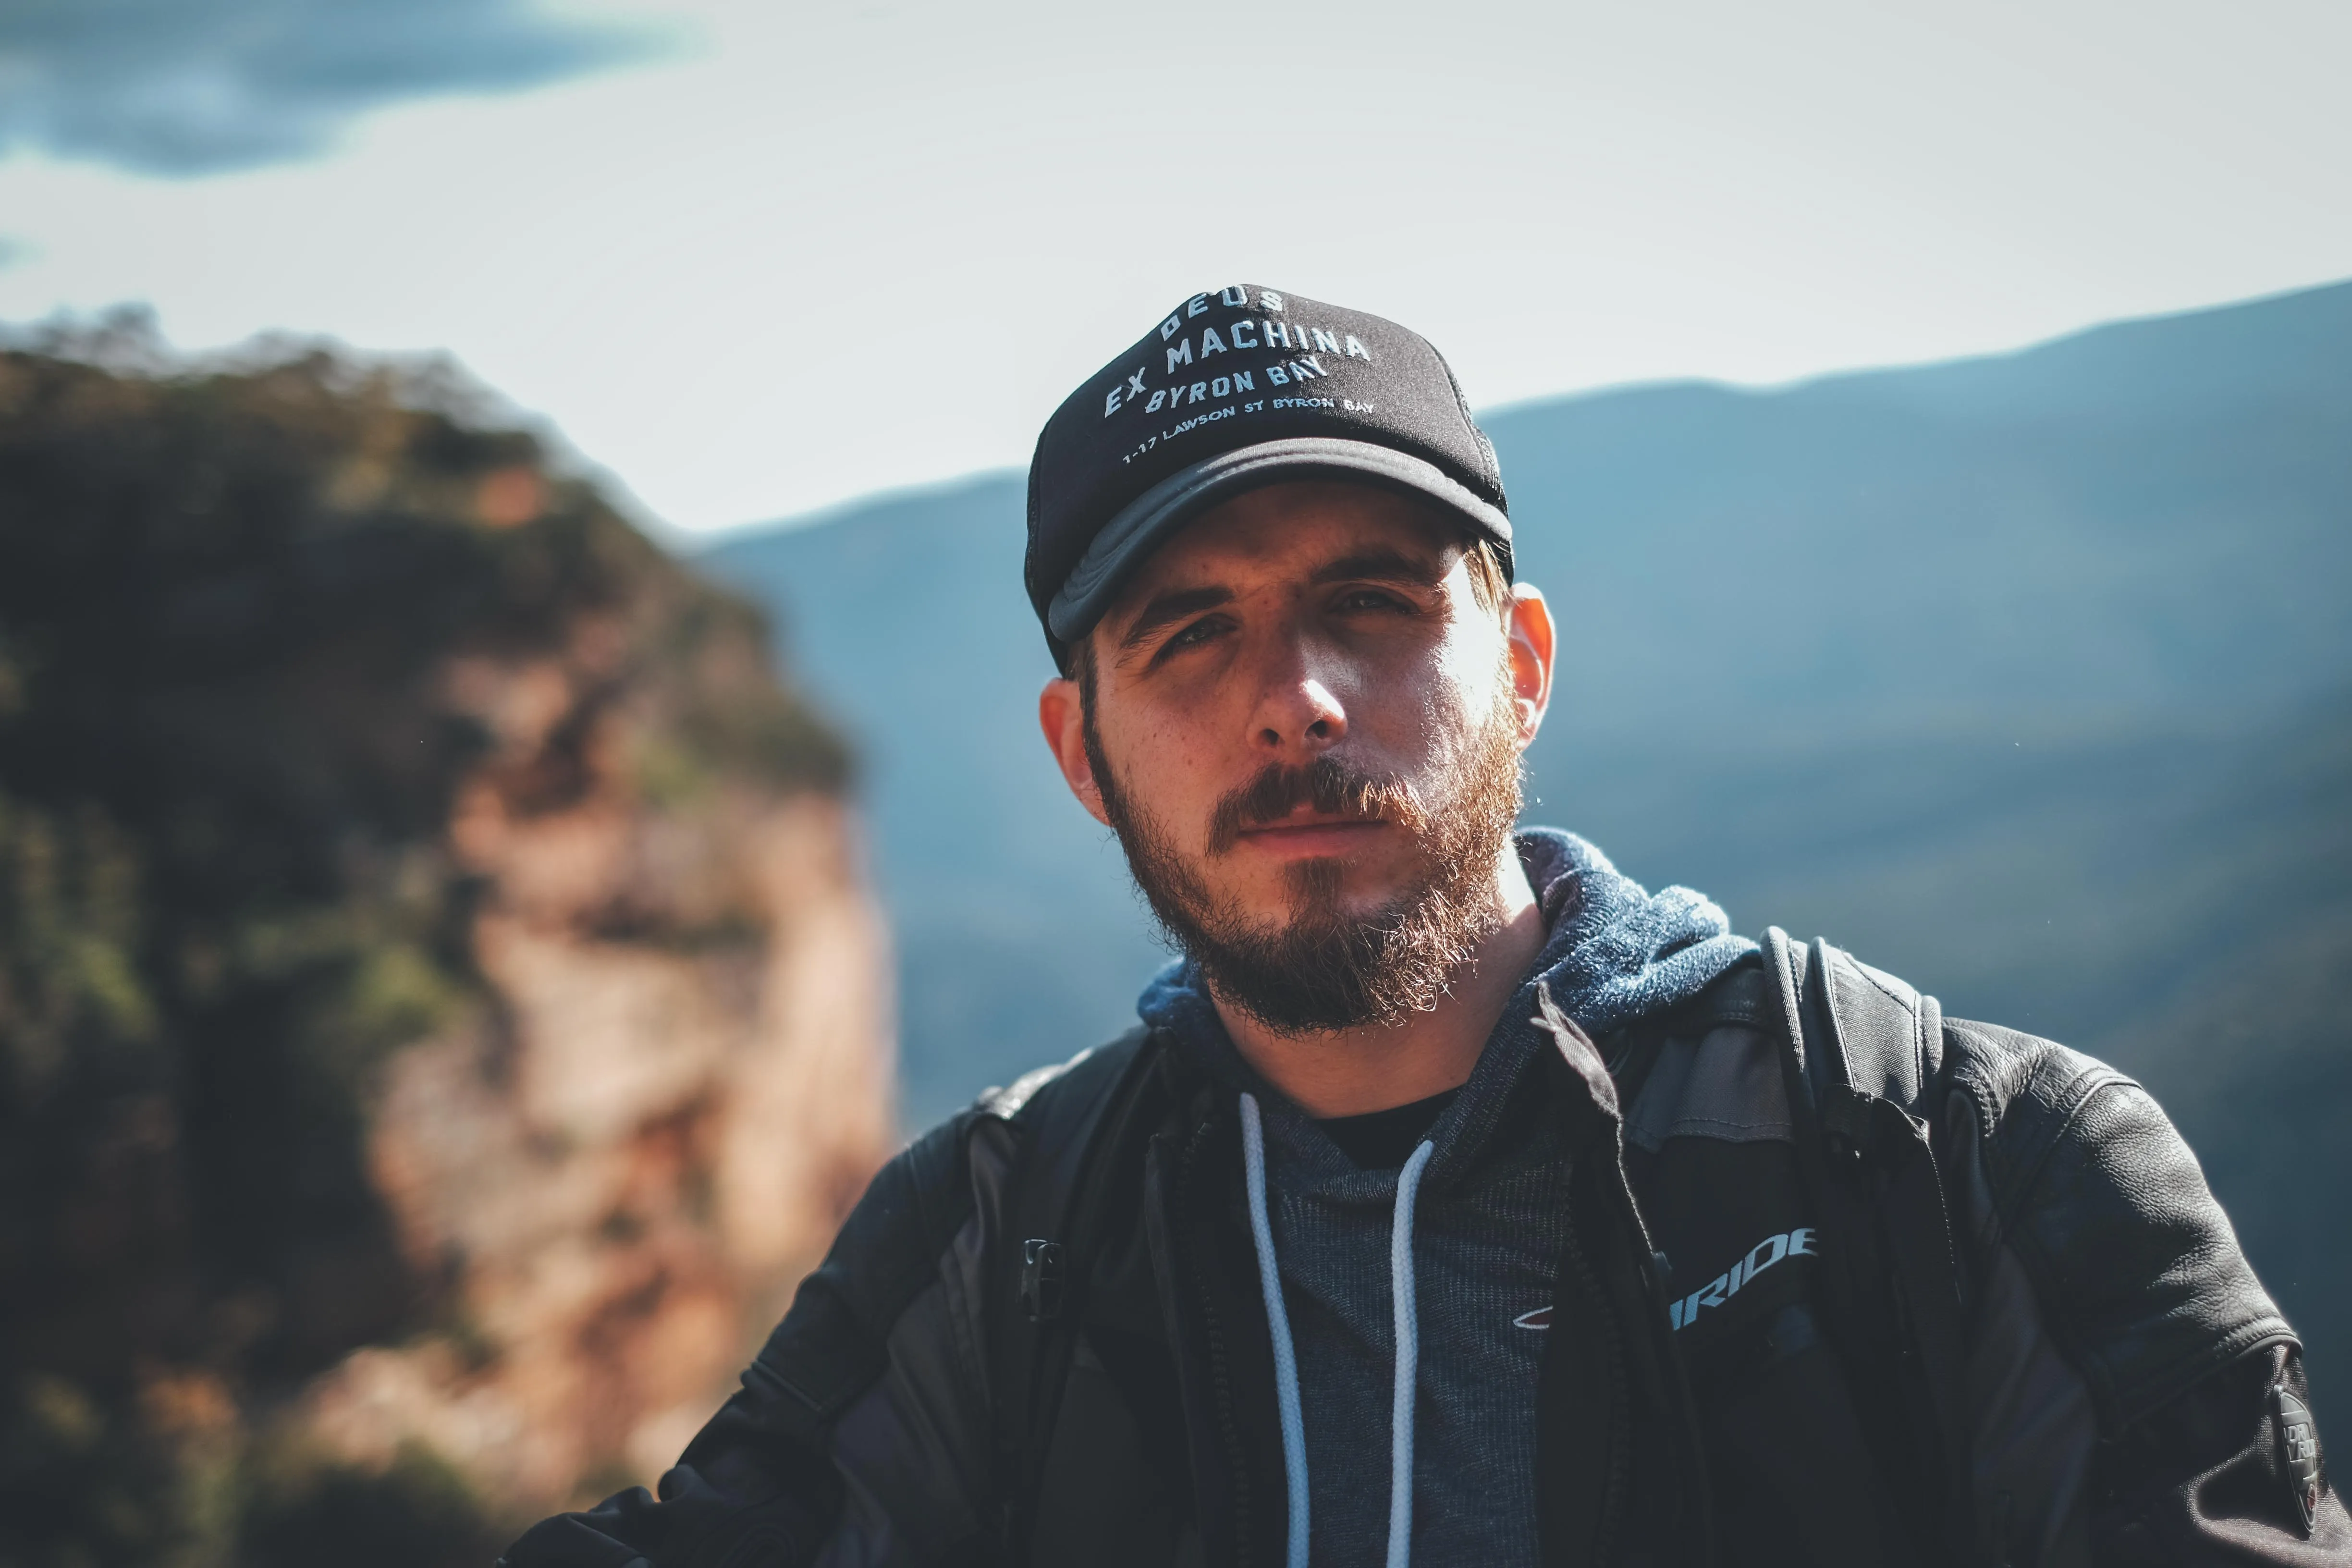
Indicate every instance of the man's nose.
{"type": "Point", "coordinates": [1299, 716]}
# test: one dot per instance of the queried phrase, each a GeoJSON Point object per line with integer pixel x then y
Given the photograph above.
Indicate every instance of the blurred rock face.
{"type": "Point", "coordinates": [640, 1160]}
{"type": "Point", "coordinates": [441, 1010]}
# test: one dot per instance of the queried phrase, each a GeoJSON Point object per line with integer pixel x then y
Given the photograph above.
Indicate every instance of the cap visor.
{"type": "Point", "coordinates": [1144, 523]}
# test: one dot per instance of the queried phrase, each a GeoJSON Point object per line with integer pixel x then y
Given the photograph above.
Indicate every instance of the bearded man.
{"type": "Point", "coordinates": [1457, 1200]}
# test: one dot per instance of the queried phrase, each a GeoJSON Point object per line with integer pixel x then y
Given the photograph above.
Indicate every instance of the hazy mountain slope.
{"type": "Point", "coordinates": [1020, 939]}
{"type": "Point", "coordinates": [2141, 518]}
{"type": "Point", "coordinates": [1813, 636]}
{"type": "Point", "coordinates": [2023, 677]}
{"type": "Point", "coordinates": [2239, 1028]}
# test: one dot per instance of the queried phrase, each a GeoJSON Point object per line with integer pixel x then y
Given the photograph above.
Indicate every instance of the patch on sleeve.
{"type": "Point", "coordinates": [2298, 1439]}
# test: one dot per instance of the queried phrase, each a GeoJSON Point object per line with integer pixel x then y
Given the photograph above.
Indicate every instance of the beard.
{"type": "Point", "coordinates": [1325, 968]}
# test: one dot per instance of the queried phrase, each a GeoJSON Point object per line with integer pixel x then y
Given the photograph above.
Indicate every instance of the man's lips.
{"type": "Point", "coordinates": [1311, 832]}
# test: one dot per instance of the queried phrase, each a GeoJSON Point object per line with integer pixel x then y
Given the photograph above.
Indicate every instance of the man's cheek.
{"type": "Point", "coordinates": [1169, 783]}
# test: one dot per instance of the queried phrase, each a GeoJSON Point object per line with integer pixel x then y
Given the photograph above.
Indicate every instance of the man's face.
{"type": "Point", "coordinates": [1305, 727]}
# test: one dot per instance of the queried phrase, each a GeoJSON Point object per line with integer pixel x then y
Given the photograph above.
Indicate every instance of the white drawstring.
{"type": "Point", "coordinates": [1285, 1357]}
{"type": "Point", "coordinates": [1408, 1358]}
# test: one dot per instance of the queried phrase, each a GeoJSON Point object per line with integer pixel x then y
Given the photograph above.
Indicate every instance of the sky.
{"type": "Point", "coordinates": [756, 258]}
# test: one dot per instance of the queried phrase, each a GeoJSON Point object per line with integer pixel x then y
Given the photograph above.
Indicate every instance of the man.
{"type": "Point", "coordinates": [1457, 1200]}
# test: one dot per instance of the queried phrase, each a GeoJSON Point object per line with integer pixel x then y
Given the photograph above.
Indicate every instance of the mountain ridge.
{"type": "Point", "coordinates": [1993, 671]}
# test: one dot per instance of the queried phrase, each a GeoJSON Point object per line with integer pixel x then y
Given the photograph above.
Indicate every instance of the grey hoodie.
{"type": "Point", "coordinates": [1483, 1244]}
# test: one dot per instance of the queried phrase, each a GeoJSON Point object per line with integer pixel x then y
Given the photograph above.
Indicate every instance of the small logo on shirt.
{"type": "Point", "coordinates": [1797, 1243]}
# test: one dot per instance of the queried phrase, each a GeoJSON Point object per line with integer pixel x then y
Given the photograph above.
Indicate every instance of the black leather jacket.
{"type": "Point", "coordinates": [2090, 1373]}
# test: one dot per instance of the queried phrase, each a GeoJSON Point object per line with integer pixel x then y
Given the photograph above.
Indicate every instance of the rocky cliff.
{"type": "Point", "coordinates": [441, 1009]}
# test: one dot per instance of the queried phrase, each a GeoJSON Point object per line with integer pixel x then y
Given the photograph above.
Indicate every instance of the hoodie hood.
{"type": "Point", "coordinates": [1616, 951]}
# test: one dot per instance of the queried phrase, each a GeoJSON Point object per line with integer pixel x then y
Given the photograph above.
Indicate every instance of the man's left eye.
{"type": "Point", "coordinates": [1371, 599]}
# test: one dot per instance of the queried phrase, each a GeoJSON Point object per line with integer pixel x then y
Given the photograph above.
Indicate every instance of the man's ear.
{"type": "Point", "coordinates": [1531, 635]}
{"type": "Point", "coordinates": [1061, 713]}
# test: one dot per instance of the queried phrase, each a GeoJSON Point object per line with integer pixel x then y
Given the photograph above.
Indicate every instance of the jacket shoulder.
{"type": "Point", "coordinates": [832, 1344]}
{"type": "Point", "coordinates": [2138, 1271]}
{"type": "Point", "coordinates": [1046, 1099]}
{"type": "Point", "coordinates": [1862, 1030]}
{"type": "Point", "coordinates": [865, 1419]}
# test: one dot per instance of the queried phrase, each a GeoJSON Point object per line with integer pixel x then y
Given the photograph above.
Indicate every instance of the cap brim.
{"type": "Point", "coordinates": [1145, 523]}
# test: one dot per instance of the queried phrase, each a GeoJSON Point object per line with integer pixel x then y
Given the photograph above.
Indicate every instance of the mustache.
{"type": "Point", "coordinates": [1326, 785]}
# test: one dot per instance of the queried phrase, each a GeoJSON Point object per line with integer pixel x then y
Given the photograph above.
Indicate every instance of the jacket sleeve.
{"type": "Point", "coordinates": [2124, 1364]}
{"type": "Point", "coordinates": [2213, 1478]}
{"type": "Point", "coordinates": [860, 1434]}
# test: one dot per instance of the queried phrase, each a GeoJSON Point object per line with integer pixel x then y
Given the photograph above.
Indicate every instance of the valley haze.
{"type": "Point", "coordinates": [2027, 678]}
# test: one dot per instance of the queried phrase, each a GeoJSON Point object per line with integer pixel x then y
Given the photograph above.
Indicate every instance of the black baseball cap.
{"type": "Point", "coordinates": [1234, 389]}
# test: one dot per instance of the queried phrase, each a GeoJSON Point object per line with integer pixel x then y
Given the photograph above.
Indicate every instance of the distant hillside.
{"type": "Point", "coordinates": [2028, 677]}
{"type": "Point", "coordinates": [2143, 520]}
{"type": "Point", "coordinates": [1020, 939]}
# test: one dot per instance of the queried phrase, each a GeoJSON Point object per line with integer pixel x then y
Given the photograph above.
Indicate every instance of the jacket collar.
{"type": "Point", "coordinates": [1614, 952]}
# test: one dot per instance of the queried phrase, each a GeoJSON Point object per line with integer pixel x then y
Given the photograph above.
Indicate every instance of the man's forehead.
{"type": "Point", "coordinates": [1291, 529]}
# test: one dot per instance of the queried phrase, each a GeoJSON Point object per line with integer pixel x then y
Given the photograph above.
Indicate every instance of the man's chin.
{"type": "Point", "coordinates": [1322, 947]}
{"type": "Point", "coordinates": [1322, 891]}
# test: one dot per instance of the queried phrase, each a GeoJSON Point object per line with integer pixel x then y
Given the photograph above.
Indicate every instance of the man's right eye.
{"type": "Point", "coordinates": [1195, 634]}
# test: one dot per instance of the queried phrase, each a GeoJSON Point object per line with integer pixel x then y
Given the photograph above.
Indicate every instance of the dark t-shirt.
{"type": "Point", "coordinates": [1385, 1139]}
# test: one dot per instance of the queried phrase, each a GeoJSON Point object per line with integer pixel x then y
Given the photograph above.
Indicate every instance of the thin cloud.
{"type": "Point", "coordinates": [165, 87]}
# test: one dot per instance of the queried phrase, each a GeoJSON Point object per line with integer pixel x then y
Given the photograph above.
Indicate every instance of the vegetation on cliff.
{"type": "Point", "coordinates": [296, 657]}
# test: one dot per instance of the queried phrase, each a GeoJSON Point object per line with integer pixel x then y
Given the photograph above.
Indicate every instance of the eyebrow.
{"type": "Point", "coordinates": [1173, 605]}
{"type": "Point", "coordinates": [1380, 566]}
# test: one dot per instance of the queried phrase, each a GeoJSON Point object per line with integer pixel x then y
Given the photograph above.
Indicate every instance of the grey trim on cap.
{"type": "Point", "coordinates": [1141, 525]}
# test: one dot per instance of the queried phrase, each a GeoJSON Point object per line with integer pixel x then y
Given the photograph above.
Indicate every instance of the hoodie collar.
{"type": "Point", "coordinates": [1617, 950]}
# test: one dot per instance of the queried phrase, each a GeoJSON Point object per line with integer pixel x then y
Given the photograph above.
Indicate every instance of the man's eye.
{"type": "Point", "coordinates": [1369, 599]}
{"type": "Point", "coordinates": [1200, 631]}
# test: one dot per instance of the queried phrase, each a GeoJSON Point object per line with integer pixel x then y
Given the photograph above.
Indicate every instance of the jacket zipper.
{"type": "Point", "coordinates": [1219, 1369]}
{"type": "Point", "coordinates": [1613, 1497]}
